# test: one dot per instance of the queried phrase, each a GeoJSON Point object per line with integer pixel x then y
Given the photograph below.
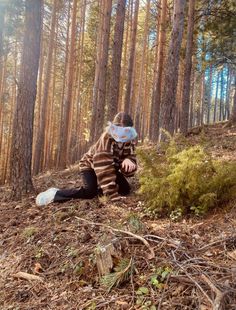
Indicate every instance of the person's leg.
{"type": "Point", "coordinates": [87, 191]}
{"type": "Point", "coordinates": [124, 187]}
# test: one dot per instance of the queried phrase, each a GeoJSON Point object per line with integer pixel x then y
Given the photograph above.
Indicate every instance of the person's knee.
{"type": "Point", "coordinates": [124, 191]}
{"type": "Point", "coordinates": [90, 192]}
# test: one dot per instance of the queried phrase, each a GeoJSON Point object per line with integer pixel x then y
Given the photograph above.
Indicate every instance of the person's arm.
{"type": "Point", "coordinates": [106, 174]}
{"type": "Point", "coordinates": [103, 164]}
{"type": "Point", "coordinates": [129, 164]}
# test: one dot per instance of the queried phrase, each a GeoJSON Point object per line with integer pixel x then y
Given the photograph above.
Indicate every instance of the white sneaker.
{"type": "Point", "coordinates": [46, 197]}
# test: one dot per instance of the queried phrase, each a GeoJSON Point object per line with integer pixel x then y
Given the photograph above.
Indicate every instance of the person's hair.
{"type": "Point", "coordinates": [123, 119]}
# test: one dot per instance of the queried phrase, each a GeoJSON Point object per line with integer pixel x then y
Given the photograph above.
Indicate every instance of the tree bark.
{"type": "Point", "coordinates": [216, 97]}
{"type": "Point", "coordinates": [156, 100]}
{"type": "Point", "coordinates": [168, 107]}
{"type": "Point", "coordinates": [184, 119]}
{"type": "Point", "coordinates": [39, 147]}
{"type": "Point", "coordinates": [21, 146]}
{"type": "Point", "coordinates": [101, 94]}
{"type": "Point", "coordinates": [233, 112]}
{"type": "Point", "coordinates": [139, 100]}
{"type": "Point", "coordinates": [127, 105]}
{"type": "Point", "coordinates": [64, 148]}
{"type": "Point", "coordinates": [209, 96]}
{"type": "Point", "coordinates": [116, 60]}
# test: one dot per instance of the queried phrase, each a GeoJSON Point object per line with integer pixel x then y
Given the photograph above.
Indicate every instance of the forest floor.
{"type": "Point", "coordinates": [190, 264]}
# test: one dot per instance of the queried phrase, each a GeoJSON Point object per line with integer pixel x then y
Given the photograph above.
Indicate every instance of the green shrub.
{"type": "Point", "coordinates": [177, 182]}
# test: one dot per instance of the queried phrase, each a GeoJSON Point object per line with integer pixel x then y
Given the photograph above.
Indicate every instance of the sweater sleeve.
{"type": "Point", "coordinates": [130, 154]}
{"type": "Point", "coordinates": [103, 164]}
{"type": "Point", "coordinates": [106, 175]}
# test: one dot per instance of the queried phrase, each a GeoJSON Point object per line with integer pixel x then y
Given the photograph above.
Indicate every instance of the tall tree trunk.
{"type": "Point", "coordinates": [78, 96]}
{"type": "Point", "coordinates": [102, 72]}
{"type": "Point", "coordinates": [209, 96]}
{"type": "Point", "coordinates": [125, 53]}
{"type": "Point", "coordinates": [62, 108]}
{"type": "Point", "coordinates": [21, 146]}
{"type": "Point", "coordinates": [216, 97]}
{"type": "Point", "coordinates": [227, 110]}
{"type": "Point", "coordinates": [127, 105]}
{"type": "Point", "coordinates": [139, 100]}
{"type": "Point", "coordinates": [39, 147]}
{"type": "Point", "coordinates": [233, 112]}
{"type": "Point", "coordinates": [116, 60]}
{"type": "Point", "coordinates": [187, 72]}
{"type": "Point", "coordinates": [64, 148]}
{"type": "Point", "coordinates": [156, 100]}
{"type": "Point", "coordinates": [168, 108]}
{"type": "Point", "coordinates": [221, 95]}
{"type": "Point", "coordinates": [2, 17]}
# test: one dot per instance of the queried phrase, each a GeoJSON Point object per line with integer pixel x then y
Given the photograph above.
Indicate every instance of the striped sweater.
{"type": "Point", "coordinates": [105, 157]}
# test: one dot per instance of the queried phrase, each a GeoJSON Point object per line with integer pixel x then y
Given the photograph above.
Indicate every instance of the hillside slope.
{"type": "Point", "coordinates": [190, 264]}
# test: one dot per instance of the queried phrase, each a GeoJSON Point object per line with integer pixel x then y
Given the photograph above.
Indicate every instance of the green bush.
{"type": "Point", "coordinates": [177, 182]}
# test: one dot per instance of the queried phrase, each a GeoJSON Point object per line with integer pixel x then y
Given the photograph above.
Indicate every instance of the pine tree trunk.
{"type": "Point", "coordinates": [139, 100]}
{"type": "Point", "coordinates": [233, 112]}
{"type": "Point", "coordinates": [2, 16]}
{"type": "Point", "coordinates": [97, 71]}
{"type": "Point", "coordinates": [168, 107]}
{"type": "Point", "coordinates": [221, 95]}
{"type": "Point", "coordinates": [64, 148]}
{"type": "Point", "coordinates": [227, 110]}
{"type": "Point", "coordinates": [216, 97]}
{"type": "Point", "coordinates": [184, 119]}
{"type": "Point", "coordinates": [39, 147]}
{"type": "Point", "coordinates": [116, 60]}
{"type": "Point", "coordinates": [62, 108]}
{"type": "Point", "coordinates": [209, 97]}
{"type": "Point", "coordinates": [156, 100]}
{"type": "Point", "coordinates": [21, 146]}
{"type": "Point", "coordinates": [78, 95]}
{"type": "Point", "coordinates": [127, 104]}
{"type": "Point", "coordinates": [101, 96]}
{"type": "Point", "coordinates": [126, 44]}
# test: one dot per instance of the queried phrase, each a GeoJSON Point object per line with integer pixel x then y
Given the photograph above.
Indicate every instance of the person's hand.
{"type": "Point", "coordinates": [128, 165]}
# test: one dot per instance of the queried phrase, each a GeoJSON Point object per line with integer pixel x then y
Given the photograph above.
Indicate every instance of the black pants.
{"type": "Point", "coordinates": [90, 187]}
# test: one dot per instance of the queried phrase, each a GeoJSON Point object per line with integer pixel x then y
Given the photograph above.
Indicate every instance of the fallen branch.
{"type": "Point", "coordinates": [27, 276]}
{"type": "Point", "coordinates": [144, 241]}
{"type": "Point", "coordinates": [219, 295]}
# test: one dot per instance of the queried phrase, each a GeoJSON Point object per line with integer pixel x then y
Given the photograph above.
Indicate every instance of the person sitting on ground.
{"type": "Point", "coordinates": [104, 167]}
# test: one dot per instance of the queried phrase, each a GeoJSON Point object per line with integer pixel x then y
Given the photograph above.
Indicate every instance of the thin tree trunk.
{"type": "Point", "coordinates": [139, 100]}
{"type": "Point", "coordinates": [62, 108]}
{"type": "Point", "coordinates": [116, 60]}
{"type": "Point", "coordinates": [127, 104]}
{"type": "Point", "coordinates": [184, 119]}
{"type": "Point", "coordinates": [2, 17]}
{"type": "Point", "coordinates": [126, 44]}
{"type": "Point", "coordinates": [78, 96]}
{"type": "Point", "coordinates": [216, 97]}
{"type": "Point", "coordinates": [168, 106]}
{"type": "Point", "coordinates": [21, 146]}
{"type": "Point", "coordinates": [97, 71]}
{"type": "Point", "coordinates": [209, 96]}
{"type": "Point", "coordinates": [64, 148]}
{"type": "Point", "coordinates": [233, 112]}
{"type": "Point", "coordinates": [227, 110]}
{"type": "Point", "coordinates": [221, 95]}
{"type": "Point", "coordinates": [101, 98]}
{"type": "Point", "coordinates": [203, 106]}
{"type": "Point", "coordinates": [39, 148]}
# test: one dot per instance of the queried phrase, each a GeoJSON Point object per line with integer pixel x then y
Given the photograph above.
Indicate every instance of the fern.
{"type": "Point", "coordinates": [121, 274]}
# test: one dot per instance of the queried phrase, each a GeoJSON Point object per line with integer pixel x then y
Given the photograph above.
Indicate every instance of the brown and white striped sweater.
{"type": "Point", "coordinates": [105, 156]}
